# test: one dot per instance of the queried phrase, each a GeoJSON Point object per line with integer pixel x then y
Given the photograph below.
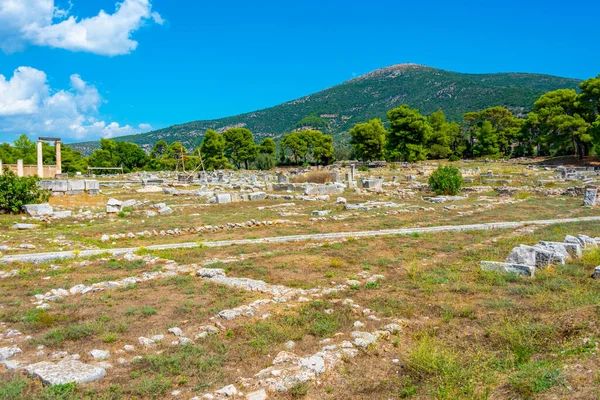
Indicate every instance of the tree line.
{"type": "Point", "coordinates": [562, 122]}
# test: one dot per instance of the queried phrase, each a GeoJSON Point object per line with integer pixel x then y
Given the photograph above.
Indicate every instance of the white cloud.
{"type": "Point", "coordinates": [41, 23]}
{"type": "Point", "coordinates": [28, 104]}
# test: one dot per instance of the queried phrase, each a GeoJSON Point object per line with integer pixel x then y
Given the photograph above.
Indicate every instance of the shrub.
{"type": "Point", "coordinates": [363, 168]}
{"type": "Point", "coordinates": [446, 180]}
{"type": "Point", "coordinates": [264, 162]}
{"type": "Point", "coordinates": [16, 191]}
{"type": "Point", "coordinates": [453, 158]}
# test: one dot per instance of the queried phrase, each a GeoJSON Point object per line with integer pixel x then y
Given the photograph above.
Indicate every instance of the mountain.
{"type": "Point", "coordinates": [337, 109]}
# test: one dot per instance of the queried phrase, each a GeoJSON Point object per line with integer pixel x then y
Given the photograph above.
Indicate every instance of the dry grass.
{"type": "Point", "coordinates": [313, 177]}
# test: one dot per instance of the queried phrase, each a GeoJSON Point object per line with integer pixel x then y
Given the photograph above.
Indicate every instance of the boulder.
{"type": "Point", "coordinates": [596, 274]}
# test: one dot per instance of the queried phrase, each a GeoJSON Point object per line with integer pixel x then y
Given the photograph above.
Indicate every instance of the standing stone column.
{"type": "Point", "coordinates": [19, 167]}
{"type": "Point", "coordinates": [40, 160]}
{"type": "Point", "coordinates": [352, 170]}
{"type": "Point", "coordinates": [1, 168]}
{"type": "Point", "coordinates": [58, 158]}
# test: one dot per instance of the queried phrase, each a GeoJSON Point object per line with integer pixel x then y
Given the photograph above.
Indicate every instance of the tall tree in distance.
{"type": "Point", "coordinates": [589, 102]}
{"type": "Point", "coordinates": [408, 134]}
{"type": "Point", "coordinates": [486, 143]}
{"type": "Point", "coordinates": [561, 122]}
{"type": "Point", "coordinates": [267, 146]}
{"type": "Point", "coordinates": [160, 148]}
{"type": "Point", "coordinates": [212, 150]}
{"type": "Point", "coordinates": [440, 139]}
{"type": "Point", "coordinates": [368, 140]}
{"type": "Point", "coordinates": [503, 123]}
{"type": "Point", "coordinates": [240, 147]}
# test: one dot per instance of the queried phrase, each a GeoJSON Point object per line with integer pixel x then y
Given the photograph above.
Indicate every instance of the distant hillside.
{"type": "Point", "coordinates": [337, 109]}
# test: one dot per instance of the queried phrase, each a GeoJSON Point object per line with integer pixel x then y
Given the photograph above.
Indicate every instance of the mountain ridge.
{"type": "Point", "coordinates": [336, 109]}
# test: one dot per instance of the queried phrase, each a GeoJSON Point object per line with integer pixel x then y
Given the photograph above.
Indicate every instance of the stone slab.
{"type": "Point", "coordinates": [63, 372]}
{"type": "Point", "coordinates": [508, 268]}
{"type": "Point", "coordinates": [36, 210]}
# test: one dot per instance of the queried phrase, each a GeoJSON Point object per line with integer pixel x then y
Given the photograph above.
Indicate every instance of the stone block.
{"type": "Point", "coordinates": [60, 186]}
{"type": "Point", "coordinates": [223, 198]}
{"type": "Point", "coordinates": [165, 211]}
{"type": "Point", "coordinates": [62, 214]}
{"type": "Point", "coordinates": [75, 186]}
{"type": "Point", "coordinates": [36, 210]}
{"type": "Point", "coordinates": [63, 372]}
{"type": "Point", "coordinates": [91, 184]}
{"type": "Point", "coordinates": [596, 274]}
{"type": "Point", "coordinates": [574, 249]}
{"type": "Point", "coordinates": [535, 256]}
{"type": "Point", "coordinates": [256, 196]}
{"type": "Point", "coordinates": [508, 268]}
{"type": "Point", "coordinates": [590, 197]}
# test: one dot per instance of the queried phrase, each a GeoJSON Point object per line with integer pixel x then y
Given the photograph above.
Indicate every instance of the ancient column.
{"type": "Point", "coordinates": [58, 158]}
{"type": "Point", "coordinates": [40, 160]}
{"type": "Point", "coordinates": [1, 168]}
{"type": "Point", "coordinates": [19, 167]}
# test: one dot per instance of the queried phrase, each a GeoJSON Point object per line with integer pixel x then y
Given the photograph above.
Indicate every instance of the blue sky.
{"type": "Point", "coordinates": [160, 62]}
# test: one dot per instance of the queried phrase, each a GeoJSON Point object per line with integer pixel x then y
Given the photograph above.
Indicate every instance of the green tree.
{"type": "Point", "coordinates": [159, 150]}
{"type": "Point", "coordinates": [240, 147]}
{"type": "Point", "coordinates": [267, 146]}
{"type": "Point", "coordinates": [321, 147]}
{"type": "Point", "coordinates": [486, 141]}
{"type": "Point", "coordinates": [25, 150]}
{"type": "Point", "coordinates": [589, 102]}
{"type": "Point", "coordinates": [116, 154]}
{"type": "Point", "coordinates": [297, 144]}
{"type": "Point", "coordinates": [130, 155]}
{"type": "Point", "coordinates": [408, 134]}
{"type": "Point", "coordinates": [213, 151]}
{"type": "Point", "coordinates": [502, 121]}
{"type": "Point", "coordinates": [368, 140]}
{"type": "Point", "coordinates": [564, 130]}
{"type": "Point", "coordinates": [440, 140]}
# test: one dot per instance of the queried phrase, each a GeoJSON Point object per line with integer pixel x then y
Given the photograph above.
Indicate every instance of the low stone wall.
{"type": "Point", "coordinates": [31, 170]}
{"type": "Point", "coordinates": [61, 187]}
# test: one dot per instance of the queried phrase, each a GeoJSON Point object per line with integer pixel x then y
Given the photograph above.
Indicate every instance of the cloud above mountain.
{"type": "Point", "coordinates": [29, 105]}
{"type": "Point", "coordinates": [42, 23]}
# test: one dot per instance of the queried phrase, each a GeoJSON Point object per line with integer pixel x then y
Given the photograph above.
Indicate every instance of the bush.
{"type": "Point", "coordinates": [264, 162]}
{"type": "Point", "coordinates": [446, 180]}
{"type": "Point", "coordinates": [363, 168]}
{"type": "Point", "coordinates": [453, 158]}
{"type": "Point", "coordinates": [16, 191]}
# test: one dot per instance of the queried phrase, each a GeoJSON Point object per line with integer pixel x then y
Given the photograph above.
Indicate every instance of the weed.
{"type": "Point", "coordinates": [148, 311]}
{"type": "Point", "coordinates": [535, 377]}
{"type": "Point", "coordinates": [299, 389]}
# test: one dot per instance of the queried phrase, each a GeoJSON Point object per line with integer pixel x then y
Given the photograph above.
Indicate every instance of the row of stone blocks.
{"type": "Point", "coordinates": [524, 260]}
{"type": "Point", "coordinates": [60, 187]}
